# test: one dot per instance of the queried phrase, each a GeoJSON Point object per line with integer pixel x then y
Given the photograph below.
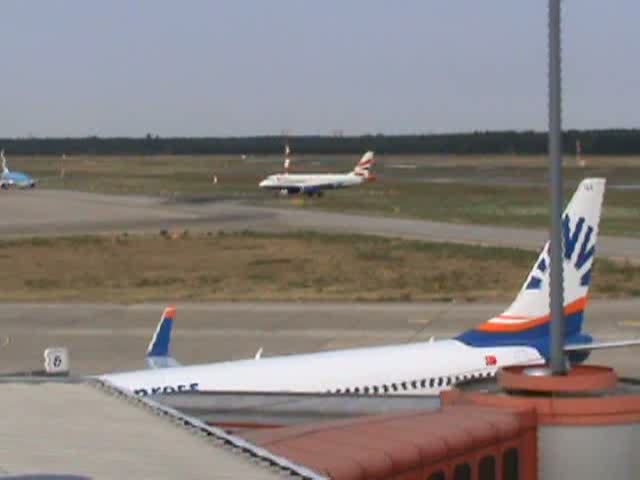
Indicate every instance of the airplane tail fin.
{"type": "Point", "coordinates": [526, 321]}
{"type": "Point", "coordinates": [158, 350]}
{"type": "Point", "coordinates": [5, 170]}
{"type": "Point", "coordinates": [363, 167]}
{"type": "Point", "coordinates": [287, 158]}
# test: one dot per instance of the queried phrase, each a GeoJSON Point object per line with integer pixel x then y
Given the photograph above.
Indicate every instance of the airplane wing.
{"type": "Point", "coordinates": [601, 345]}
{"type": "Point", "coordinates": [158, 351]}
{"type": "Point", "coordinates": [162, 362]}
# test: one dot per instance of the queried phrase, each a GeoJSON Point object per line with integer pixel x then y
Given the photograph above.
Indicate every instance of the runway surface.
{"type": "Point", "coordinates": [49, 212]}
{"type": "Point", "coordinates": [104, 338]}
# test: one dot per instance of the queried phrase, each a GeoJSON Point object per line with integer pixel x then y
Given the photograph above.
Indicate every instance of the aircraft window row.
{"type": "Point", "coordinates": [414, 384]}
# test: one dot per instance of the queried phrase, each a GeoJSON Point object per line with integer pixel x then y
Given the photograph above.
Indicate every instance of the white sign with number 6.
{"type": "Point", "coordinates": [56, 360]}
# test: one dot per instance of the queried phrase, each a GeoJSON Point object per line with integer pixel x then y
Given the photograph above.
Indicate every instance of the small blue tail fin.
{"type": "Point", "coordinates": [160, 342]}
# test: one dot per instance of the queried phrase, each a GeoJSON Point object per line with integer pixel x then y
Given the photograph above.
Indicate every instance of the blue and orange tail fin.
{"type": "Point", "coordinates": [158, 355]}
{"type": "Point", "coordinates": [526, 321]}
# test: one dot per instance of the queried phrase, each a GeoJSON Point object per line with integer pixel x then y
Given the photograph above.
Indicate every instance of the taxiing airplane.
{"type": "Point", "coordinates": [519, 336]}
{"type": "Point", "coordinates": [14, 179]}
{"type": "Point", "coordinates": [314, 184]}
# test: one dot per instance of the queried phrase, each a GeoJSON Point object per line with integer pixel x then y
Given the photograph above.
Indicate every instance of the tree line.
{"type": "Point", "coordinates": [601, 142]}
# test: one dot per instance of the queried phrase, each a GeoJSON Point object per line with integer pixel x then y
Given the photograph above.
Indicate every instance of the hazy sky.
{"type": "Point", "coordinates": [238, 67]}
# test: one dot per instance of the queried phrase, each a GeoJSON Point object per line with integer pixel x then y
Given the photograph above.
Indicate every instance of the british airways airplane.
{"type": "Point", "coordinates": [518, 336]}
{"type": "Point", "coordinates": [314, 184]}
{"type": "Point", "coordinates": [14, 179]}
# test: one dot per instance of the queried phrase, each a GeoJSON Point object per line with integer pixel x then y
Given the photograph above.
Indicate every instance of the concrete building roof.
{"type": "Point", "coordinates": [93, 431]}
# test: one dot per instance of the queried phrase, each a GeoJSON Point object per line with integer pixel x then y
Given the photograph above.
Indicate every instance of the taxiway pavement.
{"type": "Point", "coordinates": [57, 212]}
{"type": "Point", "coordinates": [103, 338]}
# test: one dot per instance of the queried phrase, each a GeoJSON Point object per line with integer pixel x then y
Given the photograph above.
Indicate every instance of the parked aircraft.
{"type": "Point", "coordinates": [315, 184]}
{"type": "Point", "coordinates": [518, 336]}
{"type": "Point", "coordinates": [14, 179]}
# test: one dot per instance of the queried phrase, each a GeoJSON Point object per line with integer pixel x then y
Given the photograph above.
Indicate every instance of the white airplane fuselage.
{"type": "Point", "coordinates": [9, 179]}
{"type": "Point", "coordinates": [315, 183]}
{"type": "Point", "coordinates": [407, 369]}
{"type": "Point", "coordinates": [301, 183]}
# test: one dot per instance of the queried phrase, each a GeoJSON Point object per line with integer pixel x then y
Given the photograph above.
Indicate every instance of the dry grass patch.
{"type": "Point", "coordinates": [252, 266]}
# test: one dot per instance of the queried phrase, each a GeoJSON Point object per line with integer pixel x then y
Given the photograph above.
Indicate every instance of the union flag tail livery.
{"type": "Point", "coordinates": [527, 318]}
{"type": "Point", "coordinates": [363, 168]}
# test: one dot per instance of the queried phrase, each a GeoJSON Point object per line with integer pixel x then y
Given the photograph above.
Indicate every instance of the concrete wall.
{"type": "Point", "coordinates": [610, 452]}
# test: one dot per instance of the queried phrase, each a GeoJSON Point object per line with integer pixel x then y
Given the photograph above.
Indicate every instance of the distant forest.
{"type": "Point", "coordinates": [601, 142]}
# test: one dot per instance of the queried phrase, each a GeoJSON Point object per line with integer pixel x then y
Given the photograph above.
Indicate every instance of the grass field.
{"type": "Point", "coordinates": [498, 190]}
{"type": "Point", "coordinates": [250, 266]}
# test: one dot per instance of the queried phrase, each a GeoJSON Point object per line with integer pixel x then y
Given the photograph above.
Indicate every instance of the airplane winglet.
{"type": "Point", "coordinates": [159, 346]}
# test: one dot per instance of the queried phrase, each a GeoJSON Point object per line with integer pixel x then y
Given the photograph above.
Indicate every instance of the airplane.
{"type": "Point", "coordinates": [14, 179]}
{"type": "Point", "coordinates": [518, 336]}
{"type": "Point", "coordinates": [314, 184]}
{"type": "Point", "coordinates": [287, 158]}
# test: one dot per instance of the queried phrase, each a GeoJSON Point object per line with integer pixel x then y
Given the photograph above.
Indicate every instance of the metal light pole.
{"type": "Point", "coordinates": [556, 349]}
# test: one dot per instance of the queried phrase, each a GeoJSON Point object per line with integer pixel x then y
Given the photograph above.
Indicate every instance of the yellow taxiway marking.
{"type": "Point", "coordinates": [419, 321]}
{"type": "Point", "coordinates": [629, 323]}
